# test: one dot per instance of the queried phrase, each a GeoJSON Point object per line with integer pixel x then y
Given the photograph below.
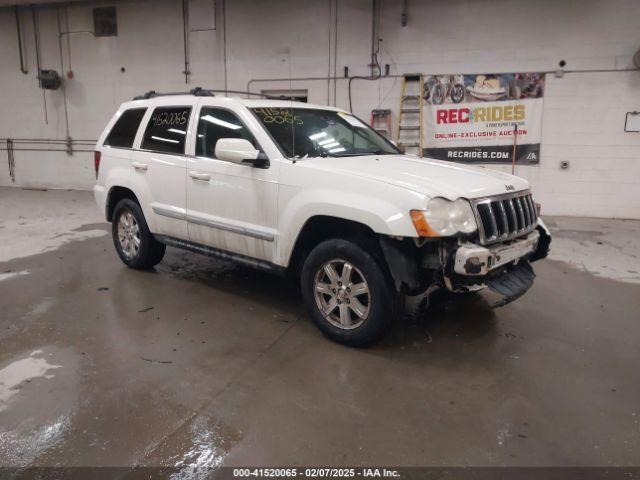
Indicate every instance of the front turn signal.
{"type": "Point", "coordinates": [421, 225]}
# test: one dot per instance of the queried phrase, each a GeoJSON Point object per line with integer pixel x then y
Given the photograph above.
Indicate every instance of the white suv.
{"type": "Point", "coordinates": [311, 191]}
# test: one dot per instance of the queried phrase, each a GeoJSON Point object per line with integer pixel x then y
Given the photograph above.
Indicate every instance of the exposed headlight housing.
{"type": "Point", "coordinates": [444, 218]}
{"type": "Point", "coordinates": [538, 208]}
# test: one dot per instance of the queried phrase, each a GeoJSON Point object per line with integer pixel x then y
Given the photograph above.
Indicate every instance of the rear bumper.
{"type": "Point", "coordinates": [100, 194]}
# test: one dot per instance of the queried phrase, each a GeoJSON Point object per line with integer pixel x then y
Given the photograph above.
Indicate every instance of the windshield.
{"type": "Point", "coordinates": [307, 132]}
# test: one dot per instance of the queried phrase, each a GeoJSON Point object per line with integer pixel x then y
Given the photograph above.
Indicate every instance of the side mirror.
{"type": "Point", "coordinates": [239, 150]}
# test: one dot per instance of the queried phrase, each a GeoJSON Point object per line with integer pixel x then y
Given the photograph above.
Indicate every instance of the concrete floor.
{"type": "Point", "coordinates": [204, 363]}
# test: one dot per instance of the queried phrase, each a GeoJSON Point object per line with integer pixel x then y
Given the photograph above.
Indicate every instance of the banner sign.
{"type": "Point", "coordinates": [477, 118]}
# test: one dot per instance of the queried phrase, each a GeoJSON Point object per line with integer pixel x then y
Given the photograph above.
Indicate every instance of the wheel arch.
{"type": "Point", "coordinates": [319, 228]}
{"type": "Point", "coordinates": [375, 214]}
{"type": "Point", "coordinates": [117, 193]}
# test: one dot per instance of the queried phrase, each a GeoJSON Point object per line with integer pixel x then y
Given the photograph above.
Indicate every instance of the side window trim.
{"type": "Point", "coordinates": [196, 125]}
{"type": "Point", "coordinates": [137, 143]}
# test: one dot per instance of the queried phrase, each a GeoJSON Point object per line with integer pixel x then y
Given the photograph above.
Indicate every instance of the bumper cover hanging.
{"type": "Point", "coordinates": [512, 283]}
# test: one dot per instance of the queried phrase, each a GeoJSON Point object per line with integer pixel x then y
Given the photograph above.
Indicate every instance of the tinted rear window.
{"type": "Point", "coordinates": [167, 130]}
{"type": "Point", "coordinates": [124, 131]}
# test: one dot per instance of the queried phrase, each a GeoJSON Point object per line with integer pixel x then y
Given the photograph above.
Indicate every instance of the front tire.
{"type": "Point", "coordinates": [347, 294]}
{"type": "Point", "coordinates": [134, 243]}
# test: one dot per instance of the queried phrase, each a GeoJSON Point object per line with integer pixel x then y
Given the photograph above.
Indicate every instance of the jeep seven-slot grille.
{"type": "Point", "coordinates": [505, 217]}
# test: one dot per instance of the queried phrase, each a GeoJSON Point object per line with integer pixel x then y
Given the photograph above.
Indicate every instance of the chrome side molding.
{"type": "Point", "coordinates": [181, 214]}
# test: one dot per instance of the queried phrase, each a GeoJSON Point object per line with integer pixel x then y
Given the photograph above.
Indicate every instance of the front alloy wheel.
{"type": "Point", "coordinates": [342, 294]}
{"type": "Point", "coordinates": [347, 292]}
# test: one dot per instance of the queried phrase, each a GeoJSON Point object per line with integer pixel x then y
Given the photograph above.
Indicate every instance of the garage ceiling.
{"type": "Point", "coordinates": [11, 3]}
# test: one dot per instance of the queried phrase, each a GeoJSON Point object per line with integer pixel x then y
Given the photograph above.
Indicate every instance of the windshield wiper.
{"type": "Point", "coordinates": [362, 154]}
{"type": "Point", "coordinates": [380, 152]}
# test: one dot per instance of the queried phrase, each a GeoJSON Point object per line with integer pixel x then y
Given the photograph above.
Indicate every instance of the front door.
{"type": "Point", "coordinates": [230, 206]}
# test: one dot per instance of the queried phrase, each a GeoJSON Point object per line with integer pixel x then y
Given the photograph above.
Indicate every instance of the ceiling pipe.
{"type": "Point", "coordinates": [185, 33]}
{"type": "Point", "coordinates": [23, 69]}
{"type": "Point", "coordinates": [375, 37]}
{"type": "Point", "coordinates": [36, 39]}
{"type": "Point", "coordinates": [64, 89]}
{"type": "Point", "coordinates": [224, 43]}
{"type": "Point", "coordinates": [404, 17]}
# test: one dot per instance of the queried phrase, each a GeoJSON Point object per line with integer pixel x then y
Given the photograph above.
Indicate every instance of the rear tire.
{"type": "Point", "coordinates": [347, 294]}
{"type": "Point", "coordinates": [134, 243]}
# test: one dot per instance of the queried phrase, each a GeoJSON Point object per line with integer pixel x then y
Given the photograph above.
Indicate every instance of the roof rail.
{"type": "Point", "coordinates": [197, 92]}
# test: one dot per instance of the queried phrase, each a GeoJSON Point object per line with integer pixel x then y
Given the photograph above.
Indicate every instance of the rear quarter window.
{"type": "Point", "coordinates": [124, 131]}
{"type": "Point", "coordinates": [167, 130]}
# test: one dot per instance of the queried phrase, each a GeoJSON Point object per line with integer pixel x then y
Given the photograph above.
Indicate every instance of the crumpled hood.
{"type": "Point", "coordinates": [433, 178]}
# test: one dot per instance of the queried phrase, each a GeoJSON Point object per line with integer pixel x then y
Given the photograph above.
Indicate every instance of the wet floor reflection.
{"type": "Point", "coordinates": [202, 363]}
{"type": "Point", "coordinates": [442, 312]}
{"type": "Point", "coordinates": [37, 403]}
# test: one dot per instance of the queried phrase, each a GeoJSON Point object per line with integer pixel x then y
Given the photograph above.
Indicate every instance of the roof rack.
{"type": "Point", "coordinates": [197, 92]}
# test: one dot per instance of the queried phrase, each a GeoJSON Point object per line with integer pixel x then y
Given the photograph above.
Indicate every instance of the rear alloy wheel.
{"type": "Point", "coordinates": [134, 243]}
{"type": "Point", "coordinates": [347, 294]}
{"type": "Point", "coordinates": [128, 234]}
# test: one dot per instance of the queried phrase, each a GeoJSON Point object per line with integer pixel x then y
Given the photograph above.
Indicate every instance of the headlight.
{"type": "Point", "coordinates": [443, 218]}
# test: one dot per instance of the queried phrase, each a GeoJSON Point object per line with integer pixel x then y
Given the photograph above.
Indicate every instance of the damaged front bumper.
{"type": "Point", "coordinates": [476, 260]}
{"type": "Point", "coordinates": [464, 266]}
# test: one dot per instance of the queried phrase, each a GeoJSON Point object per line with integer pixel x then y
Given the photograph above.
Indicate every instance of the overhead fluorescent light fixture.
{"type": "Point", "coordinates": [222, 123]}
{"type": "Point", "coordinates": [337, 150]}
{"type": "Point", "coordinates": [326, 140]}
{"type": "Point", "coordinates": [330, 145]}
{"type": "Point", "coordinates": [162, 139]}
{"type": "Point", "coordinates": [318, 135]}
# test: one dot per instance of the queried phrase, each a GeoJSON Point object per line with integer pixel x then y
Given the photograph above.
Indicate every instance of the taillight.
{"type": "Point", "coordinates": [96, 161]}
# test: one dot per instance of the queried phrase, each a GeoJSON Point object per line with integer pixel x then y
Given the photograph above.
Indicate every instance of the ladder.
{"type": "Point", "coordinates": [409, 133]}
{"type": "Point", "coordinates": [381, 122]}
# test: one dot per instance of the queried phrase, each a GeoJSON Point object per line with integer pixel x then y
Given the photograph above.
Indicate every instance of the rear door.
{"type": "Point", "coordinates": [116, 147]}
{"type": "Point", "coordinates": [161, 160]}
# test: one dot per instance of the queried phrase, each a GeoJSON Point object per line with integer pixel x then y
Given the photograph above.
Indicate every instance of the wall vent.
{"type": "Point", "coordinates": [105, 22]}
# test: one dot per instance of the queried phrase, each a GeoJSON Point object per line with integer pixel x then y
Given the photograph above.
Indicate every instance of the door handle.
{"type": "Point", "coordinates": [140, 166]}
{"type": "Point", "coordinates": [199, 176]}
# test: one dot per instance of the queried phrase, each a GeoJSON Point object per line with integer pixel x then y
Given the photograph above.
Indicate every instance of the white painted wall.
{"type": "Point", "coordinates": [583, 115]}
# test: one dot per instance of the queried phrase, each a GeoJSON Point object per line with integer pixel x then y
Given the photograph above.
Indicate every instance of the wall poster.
{"type": "Point", "coordinates": [473, 118]}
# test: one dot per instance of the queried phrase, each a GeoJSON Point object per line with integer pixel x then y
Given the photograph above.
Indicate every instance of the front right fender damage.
{"type": "Point", "coordinates": [406, 265]}
{"type": "Point", "coordinates": [417, 264]}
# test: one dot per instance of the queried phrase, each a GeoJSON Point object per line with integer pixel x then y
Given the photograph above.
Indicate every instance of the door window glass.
{"type": "Point", "coordinates": [217, 123]}
{"type": "Point", "coordinates": [167, 130]}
